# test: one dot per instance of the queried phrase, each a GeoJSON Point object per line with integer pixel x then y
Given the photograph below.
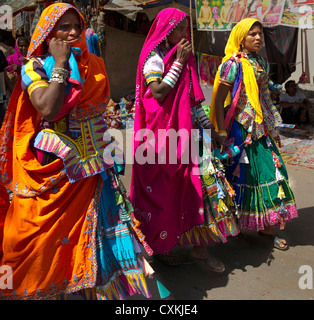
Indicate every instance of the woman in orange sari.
{"type": "Point", "coordinates": [69, 226]}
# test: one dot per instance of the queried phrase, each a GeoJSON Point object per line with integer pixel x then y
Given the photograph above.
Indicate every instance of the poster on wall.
{"type": "Point", "coordinates": [221, 15]}
{"type": "Point", "coordinates": [266, 11]}
{"type": "Point", "coordinates": [207, 68]}
{"type": "Point", "coordinates": [213, 15]}
{"type": "Point", "coordinates": [298, 13]}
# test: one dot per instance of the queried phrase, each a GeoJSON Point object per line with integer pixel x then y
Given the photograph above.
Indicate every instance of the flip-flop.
{"type": "Point", "coordinates": [277, 240]}
{"type": "Point", "coordinates": [169, 259]}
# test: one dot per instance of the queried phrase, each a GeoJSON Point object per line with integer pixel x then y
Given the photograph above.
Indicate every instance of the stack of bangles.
{"type": "Point", "coordinates": [203, 118]}
{"type": "Point", "coordinates": [173, 74]}
{"type": "Point", "coordinates": [59, 75]}
{"type": "Point", "coordinates": [222, 133]}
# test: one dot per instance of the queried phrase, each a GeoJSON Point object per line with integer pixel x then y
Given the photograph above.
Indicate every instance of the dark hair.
{"type": "Point", "coordinates": [20, 39]}
{"type": "Point", "coordinates": [257, 24]}
{"type": "Point", "coordinates": [288, 83]}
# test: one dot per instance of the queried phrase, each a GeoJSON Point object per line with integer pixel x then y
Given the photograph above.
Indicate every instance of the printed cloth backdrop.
{"type": "Point", "coordinates": [207, 68]}
{"type": "Point", "coordinates": [221, 15]}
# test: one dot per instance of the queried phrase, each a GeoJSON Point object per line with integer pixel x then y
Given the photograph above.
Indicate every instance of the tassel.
{"type": "Point", "coordinates": [163, 291]}
{"type": "Point", "coordinates": [244, 158]}
{"type": "Point", "coordinates": [124, 216]}
{"type": "Point", "coordinates": [283, 211]}
{"type": "Point", "coordinates": [222, 207]}
{"type": "Point", "coordinates": [119, 198]}
{"type": "Point", "coordinates": [227, 185]}
{"type": "Point", "coordinates": [147, 248]}
{"type": "Point", "coordinates": [148, 270]}
{"type": "Point", "coordinates": [279, 176]}
{"type": "Point", "coordinates": [276, 160]}
{"type": "Point", "coordinates": [128, 205]}
{"type": "Point", "coordinates": [281, 193]}
{"type": "Point", "coordinates": [248, 139]}
{"type": "Point", "coordinates": [221, 194]}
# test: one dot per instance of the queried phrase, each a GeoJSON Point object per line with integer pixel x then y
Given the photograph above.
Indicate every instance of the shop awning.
{"type": "Point", "coordinates": [17, 5]}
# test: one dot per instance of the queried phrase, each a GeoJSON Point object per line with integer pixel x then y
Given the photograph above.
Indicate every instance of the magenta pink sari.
{"type": "Point", "coordinates": [167, 198]}
{"type": "Point", "coordinates": [15, 58]}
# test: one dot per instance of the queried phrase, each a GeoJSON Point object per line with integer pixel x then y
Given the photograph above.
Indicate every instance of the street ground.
{"type": "Point", "coordinates": [254, 269]}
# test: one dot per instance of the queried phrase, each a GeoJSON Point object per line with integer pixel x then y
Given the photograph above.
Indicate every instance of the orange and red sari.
{"type": "Point", "coordinates": [68, 226]}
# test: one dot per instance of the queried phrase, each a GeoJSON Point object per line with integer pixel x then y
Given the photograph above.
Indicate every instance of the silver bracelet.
{"type": "Point", "coordinates": [61, 71]}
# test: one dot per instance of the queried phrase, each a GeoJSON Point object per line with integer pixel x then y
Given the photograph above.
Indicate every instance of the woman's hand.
{"type": "Point", "coordinates": [16, 67]}
{"type": "Point", "coordinates": [220, 142]}
{"type": "Point", "coordinates": [184, 50]}
{"type": "Point", "coordinates": [60, 50]}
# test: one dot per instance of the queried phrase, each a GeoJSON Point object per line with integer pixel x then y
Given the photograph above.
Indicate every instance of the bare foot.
{"type": "Point", "coordinates": [201, 253]}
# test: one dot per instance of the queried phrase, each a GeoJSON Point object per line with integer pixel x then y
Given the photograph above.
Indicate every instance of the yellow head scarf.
{"type": "Point", "coordinates": [237, 34]}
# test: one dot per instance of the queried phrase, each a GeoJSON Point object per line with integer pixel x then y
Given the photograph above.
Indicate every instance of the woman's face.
{"type": "Point", "coordinates": [179, 33]}
{"type": "Point", "coordinates": [253, 41]}
{"type": "Point", "coordinates": [68, 28]}
{"type": "Point", "coordinates": [23, 46]}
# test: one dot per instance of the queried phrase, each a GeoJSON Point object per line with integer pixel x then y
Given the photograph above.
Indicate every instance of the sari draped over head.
{"type": "Point", "coordinates": [238, 33]}
{"type": "Point", "coordinates": [162, 192]}
{"type": "Point", "coordinates": [15, 58]}
{"type": "Point", "coordinates": [49, 231]}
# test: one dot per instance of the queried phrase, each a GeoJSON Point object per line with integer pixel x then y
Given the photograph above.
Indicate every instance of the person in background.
{"type": "Point", "coordinates": [15, 62]}
{"type": "Point", "coordinates": [294, 105]}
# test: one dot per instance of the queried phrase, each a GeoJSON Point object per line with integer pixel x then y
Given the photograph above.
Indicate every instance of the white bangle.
{"type": "Point", "coordinates": [173, 74]}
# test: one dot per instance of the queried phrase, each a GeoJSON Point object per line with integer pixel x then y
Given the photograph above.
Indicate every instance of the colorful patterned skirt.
{"type": "Point", "coordinates": [119, 272]}
{"type": "Point", "coordinates": [219, 208]}
{"type": "Point", "coordinates": [260, 180]}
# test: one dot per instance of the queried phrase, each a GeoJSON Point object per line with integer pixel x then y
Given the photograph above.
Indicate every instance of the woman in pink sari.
{"type": "Point", "coordinates": [175, 204]}
{"type": "Point", "coordinates": [15, 61]}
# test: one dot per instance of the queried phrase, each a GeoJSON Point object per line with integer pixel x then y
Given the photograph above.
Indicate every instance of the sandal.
{"type": "Point", "coordinates": [169, 259]}
{"type": "Point", "coordinates": [278, 242]}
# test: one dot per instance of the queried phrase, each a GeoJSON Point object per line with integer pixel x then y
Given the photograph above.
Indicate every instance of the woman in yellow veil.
{"type": "Point", "coordinates": [242, 112]}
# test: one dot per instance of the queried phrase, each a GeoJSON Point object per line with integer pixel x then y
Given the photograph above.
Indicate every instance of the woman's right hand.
{"type": "Point", "coordinates": [184, 50]}
{"type": "Point", "coordinates": [60, 50]}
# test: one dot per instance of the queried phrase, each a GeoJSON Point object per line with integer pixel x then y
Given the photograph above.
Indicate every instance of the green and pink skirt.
{"type": "Point", "coordinates": [259, 177]}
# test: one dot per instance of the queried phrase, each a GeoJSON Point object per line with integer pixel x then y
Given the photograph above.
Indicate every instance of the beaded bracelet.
{"type": "Point", "coordinates": [59, 75]}
{"type": "Point", "coordinates": [61, 71]}
{"type": "Point", "coordinates": [55, 77]}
